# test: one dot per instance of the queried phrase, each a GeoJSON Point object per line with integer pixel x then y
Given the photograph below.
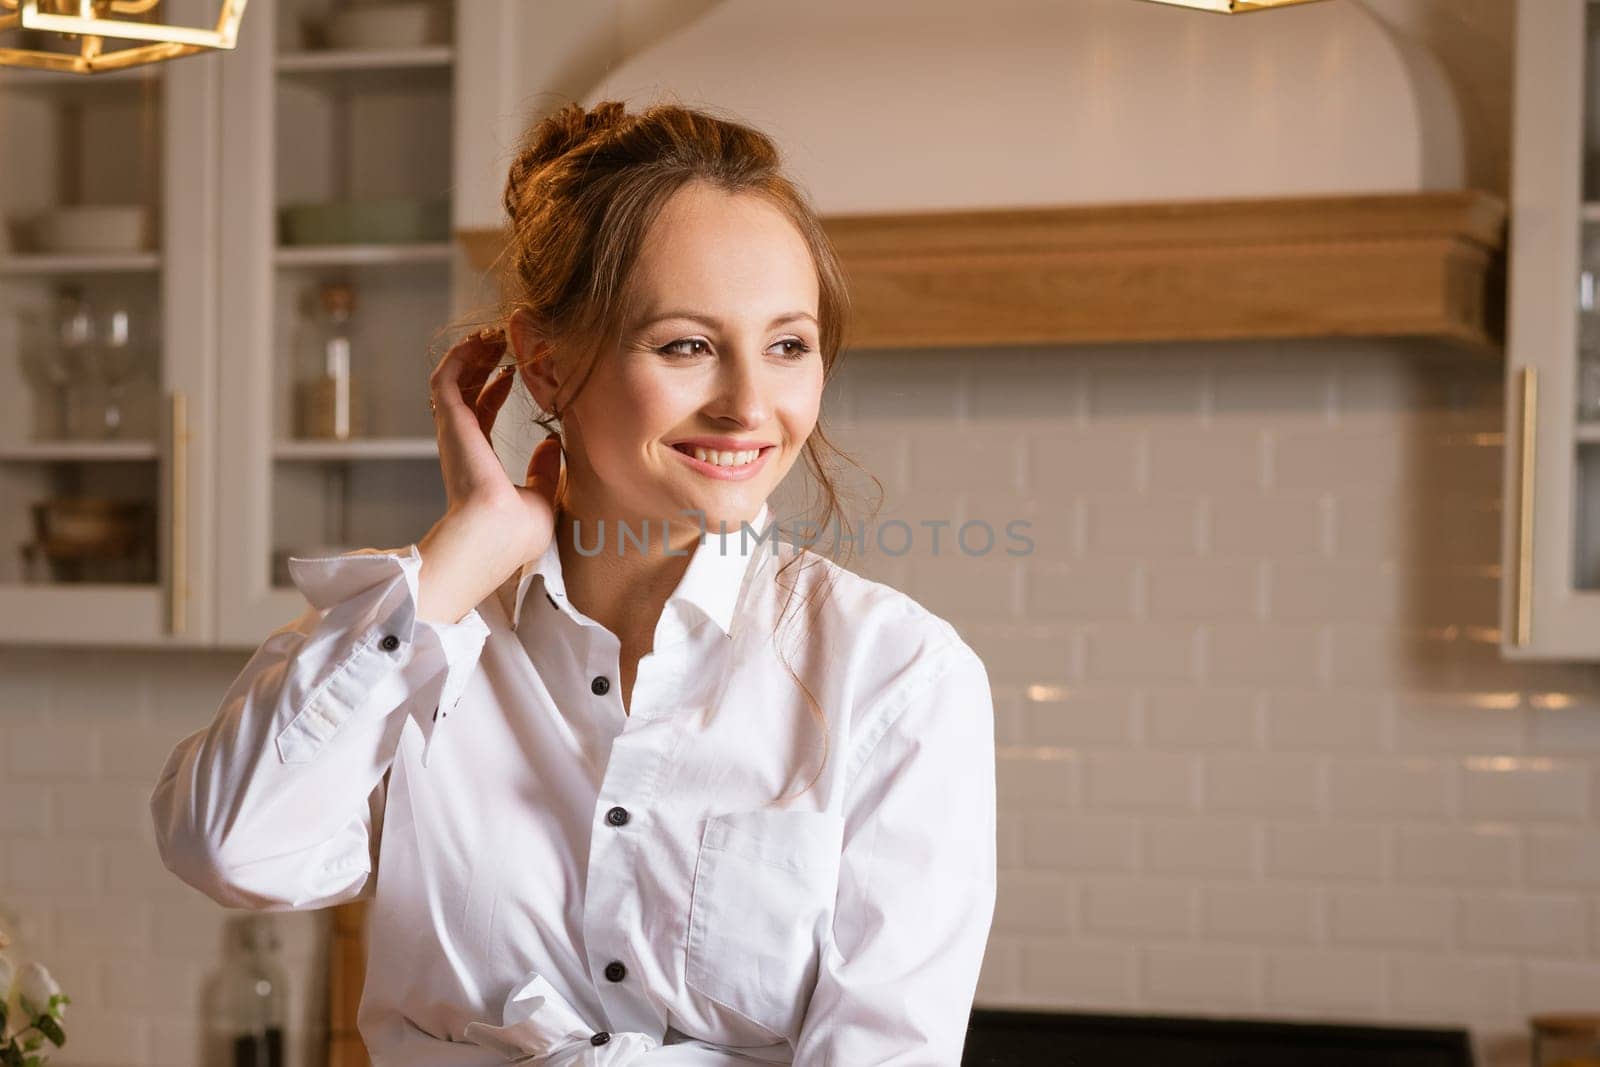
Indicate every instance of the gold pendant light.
{"type": "Point", "coordinates": [92, 21]}
{"type": "Point", "coordinates": [1234, 7]}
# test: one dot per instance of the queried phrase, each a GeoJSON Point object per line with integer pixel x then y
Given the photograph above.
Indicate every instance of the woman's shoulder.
{"type": "Point", "coordinates": [885, 633]}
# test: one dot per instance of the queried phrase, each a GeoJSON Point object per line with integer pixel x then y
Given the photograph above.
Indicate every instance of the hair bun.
{"type": "Point", "coordinates": [552, 138]}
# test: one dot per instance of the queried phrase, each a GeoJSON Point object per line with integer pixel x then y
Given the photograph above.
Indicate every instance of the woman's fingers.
{"type": "Point", "coordinates": [544, 468]}
{"type": "Point", "coordinates": [462, 372]}
{"type": "Point", "coordinates": [492, 397]}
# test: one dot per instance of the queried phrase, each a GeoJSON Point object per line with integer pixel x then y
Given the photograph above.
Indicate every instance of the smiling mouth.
{"type": "Point", "coordinates": [730, 459]}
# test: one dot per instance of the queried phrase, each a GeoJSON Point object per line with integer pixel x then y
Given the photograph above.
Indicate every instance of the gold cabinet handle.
{"type": "Point", "coordinates": [1530, 412]}
{"type": "Point", "coordinates": [178, 563]}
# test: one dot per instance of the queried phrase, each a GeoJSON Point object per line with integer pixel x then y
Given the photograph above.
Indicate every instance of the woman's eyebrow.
{"type": "Point", "coordinates": [715, 323]}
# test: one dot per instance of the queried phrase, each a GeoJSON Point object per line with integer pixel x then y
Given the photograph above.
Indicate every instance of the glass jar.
{"type": "Point", "coordinates": [1588, 384]}
{"type": "Point", "coordinates": [330, 401]}
{"type": "Point", "coordinates": [254, 994]}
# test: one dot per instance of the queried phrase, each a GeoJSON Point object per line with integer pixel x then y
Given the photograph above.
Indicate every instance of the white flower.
{"type": "Point", "coordinates": [8, 974]}
{"type": "Point", "coordinates": [35, 984]}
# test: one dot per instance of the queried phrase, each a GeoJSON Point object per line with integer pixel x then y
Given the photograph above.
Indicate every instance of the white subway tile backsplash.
{"type": "Point", "coordinates": [1219, 847]}
{"type": "Point", "coordinates": [1082, 591]}
{"type": "Point", "coordinates": [1328, 853]}
{"type": "Point", "coordinates": [1520, 788]}
{"type": "Point", "coordinates": [1027, 779]}
{"type": "Point", "coordinates": [1137, 907]}
{"type": "Point", "coordinates": [1058, 971]}
{"type": "Point", "coordinates": [1338, 721]}
{"type": "Point", "coordinates": [1271, 526]}
{"type": "Point", "coordinates": [1268, 785]}
{"type": "Point", "coordinates": [1088, 460]}
{"type": "Point", "coordinates": [61, 865]}
{"type": "Point", "coordinates": [51, 754]}
{"type": "Point", "coordinates": [1456, 855]}
{"type": "Point", "coordinates": [1079, 715]}
{"type": "Point", "coordinates": [1391, 917]}
{"type": "Point", "coordinates": [1450, 988]}
{"type": "Point", "coordinates": [1032, 903]}
{"type": "Point", "coordinates": [1332, 591]}
{"type": "Point", "coordinates": [987, 454]}
{"type": "Point", "coordinates": [1528, 923]}
{"type": "Point", "coordinates": [1142, 781]}
{"type": "Point", "coordinates": [1486, 723]}
{"type": "Point", "coordinates": [1215, 978]}
{"type": "Point", "coordinates": [1392, 787]}
{"type": "Point", "coordinates": [1263, 653]}
{"type": "Point", "coordinates": [1551, 986]}
{"type": "Point", "coordinates": [1207, 590]}
{"type": "Point", "coordinates": [1339, 460]}
{"type": "Point", "coordinates": [1259, 914]}
{"type": "Point", "coordinates": [1563, 858]}
{"type": "Point", "coordinates": [1146, 390]}
{"type": "Point", "coordinates": [1134, 652]}
{"type": "Point", "coordinates": [1225, 459]}
{"type": "Point", "coordinates": [1188, 718]}
{"type": "Point", "coordinates": [24, 811]}
{"type": "Point", "coordinates": [1080, 843]}
{"type": "Point", "coordinates": [1333, 980]}
{"type": "Point", "coordinates": [1130, 525]}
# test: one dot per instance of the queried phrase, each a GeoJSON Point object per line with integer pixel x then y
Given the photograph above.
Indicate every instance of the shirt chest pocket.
{"type": "Point", "coordinates": [762, 903]}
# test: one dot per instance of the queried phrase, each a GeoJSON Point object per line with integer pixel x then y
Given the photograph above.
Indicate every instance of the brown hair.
{"type": "Point", "coordinates": [581, 196]}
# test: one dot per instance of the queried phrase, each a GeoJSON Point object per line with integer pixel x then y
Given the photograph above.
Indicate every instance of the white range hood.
{"type": "Point", "coordinates": [927, 105]}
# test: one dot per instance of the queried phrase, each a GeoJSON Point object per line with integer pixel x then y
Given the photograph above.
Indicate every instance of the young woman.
{"type": "Point", "coordinates": [628, 777]}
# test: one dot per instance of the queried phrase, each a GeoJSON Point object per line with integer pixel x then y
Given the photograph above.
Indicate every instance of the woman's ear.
{"type": "Point", "coordinates": [535, 359]}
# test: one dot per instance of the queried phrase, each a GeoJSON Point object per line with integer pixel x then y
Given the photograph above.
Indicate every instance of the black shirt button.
{"type": "Point", "coordinates": [617, 816]}
{"type": "Point", "coordinates": [615, 971]}
{"type": "Point", "coordinates": [599, 1039]}
{"type": "Point", "coordinates": [600, 686]}
{"type": "Point", "coordinates": [389, 643]}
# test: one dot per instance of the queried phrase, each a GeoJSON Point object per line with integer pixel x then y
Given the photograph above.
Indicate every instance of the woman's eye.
{"type": "Point", "coordinates": [800, 349]}
{"type": "Point", "coordinates": [674, 350]}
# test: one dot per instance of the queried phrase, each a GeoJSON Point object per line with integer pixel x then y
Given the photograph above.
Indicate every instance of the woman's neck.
{"type": "Point", "coordinates": [623, 582]}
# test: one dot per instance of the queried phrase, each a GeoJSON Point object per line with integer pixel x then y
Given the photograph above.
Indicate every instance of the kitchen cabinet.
{"type": "Point", "coordinates": [108, 355]}
{"type": "Point", "coordinates": [315, 158]}
{"type": "Point", "coordinates": [1551, 589]}
{"type": "Point", "coordinates": [314, 140]}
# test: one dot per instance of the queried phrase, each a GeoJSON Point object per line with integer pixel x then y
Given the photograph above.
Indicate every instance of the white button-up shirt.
{"type": "Point", "coordinates": [555, 881]}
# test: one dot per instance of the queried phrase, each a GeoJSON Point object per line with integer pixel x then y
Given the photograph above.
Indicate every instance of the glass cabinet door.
{"type": "Point", "coordinates": [338, 282]}
{"type": "Point", "coordinates": [1551, 598]}
{"type": "Point", "coordinates": [107, 268]}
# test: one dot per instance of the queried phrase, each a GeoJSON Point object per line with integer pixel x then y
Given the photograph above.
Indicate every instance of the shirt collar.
{"type": "Point", "coordinates": [711, 582]}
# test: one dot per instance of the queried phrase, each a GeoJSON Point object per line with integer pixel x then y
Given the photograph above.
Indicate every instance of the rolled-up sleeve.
{"type": "Point", "coordinates": [916, 888]}
{"type": "Point", "coordinates": [270, 807]}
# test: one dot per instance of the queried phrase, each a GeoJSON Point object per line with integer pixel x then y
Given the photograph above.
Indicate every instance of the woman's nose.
{"type": "Point", "coordinates": [742, 392]}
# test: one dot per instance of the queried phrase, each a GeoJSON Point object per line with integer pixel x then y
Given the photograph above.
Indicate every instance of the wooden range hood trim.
{"type": "Point", "coordinates": [1427, 265]}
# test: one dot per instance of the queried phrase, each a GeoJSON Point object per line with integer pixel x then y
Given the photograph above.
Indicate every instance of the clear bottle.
{"type": "Point", "coordinates": [254, 989]}
{"type": "Point", "coordinates": [330, 401]}
{"type": "Point", "coordinates": [1588, 383]}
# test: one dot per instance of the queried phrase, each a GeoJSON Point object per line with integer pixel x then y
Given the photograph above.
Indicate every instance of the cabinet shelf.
{"type": "Point", "coordinates": [370, 68]}
{"type": "Point", "coordinates": [378, 448]}
{"type": "Point", "coordinates": [289, 256]}
{"type": "Point", "coordinates": [78, 451]}
{"type": "Point", "coordinates": [92, 263]}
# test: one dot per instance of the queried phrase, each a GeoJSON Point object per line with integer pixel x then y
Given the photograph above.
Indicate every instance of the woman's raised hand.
{"type": "Point", "coordinates": [490, 526]}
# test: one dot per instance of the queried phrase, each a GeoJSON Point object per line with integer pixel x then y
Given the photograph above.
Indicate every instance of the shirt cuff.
{"type": "Point", "coordinates": [376, 592]}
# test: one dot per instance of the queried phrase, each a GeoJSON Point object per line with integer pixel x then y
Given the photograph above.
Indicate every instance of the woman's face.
{"type": "Point", "coordinates": [715, 386]}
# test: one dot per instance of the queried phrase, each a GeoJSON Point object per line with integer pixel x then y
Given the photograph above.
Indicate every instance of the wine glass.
{"type": "Point", "coordinates": [117, 358]}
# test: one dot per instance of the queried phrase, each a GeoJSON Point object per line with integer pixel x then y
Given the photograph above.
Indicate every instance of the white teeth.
{"type": "Point", "coordinates": [726, 459]}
